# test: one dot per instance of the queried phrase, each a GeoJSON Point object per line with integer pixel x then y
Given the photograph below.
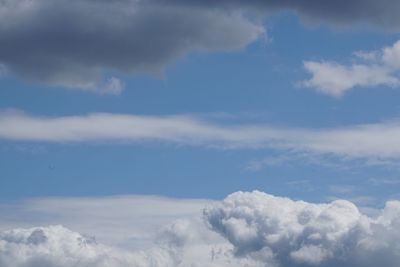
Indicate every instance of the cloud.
{"type": "Point", "coordinates": [114, 220]}
{"type": "Point", "coordinates": [89, 45]}
{"type": "Point", "coordinates": [297, 233]}
{"type": "Point", "coordinates": [370, 141]}
{"type": "Point", "coordinates": [245, 229]}
{"type": "Point", "coordinates": [381, 14]}
{"type": "Point", "coordinates": [56, 246]}
{"type": "Point", "coordinates": [380, 68]}
{"type": "Point", "coordinates": [83, 44]}
{"type": "Point", "coordinates": [118, 232]}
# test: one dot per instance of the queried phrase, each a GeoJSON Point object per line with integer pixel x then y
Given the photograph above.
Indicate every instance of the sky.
{"type": "Point", "coordinates": [199, 133]}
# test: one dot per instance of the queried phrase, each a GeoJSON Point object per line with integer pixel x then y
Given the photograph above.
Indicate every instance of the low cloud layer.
{"type": "Point", "coordinates": [373, 68]}
{"type": "Point", "coordinates": [83, 44]}
{"type": "Point", "coordinates": [56, 246]}
{"type": "Point", "coordinates": [379, 140]}
{"type": "Point", "coordinates": [247, 229]}
{"type": "Point", "coordinates": [104, 217]}
{"type": "Point", "coordinates": [117, 232]}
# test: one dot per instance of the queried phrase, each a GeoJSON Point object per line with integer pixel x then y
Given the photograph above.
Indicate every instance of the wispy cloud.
{"type": "Point", "coordinates": [381, 181]}
{"type": "Point", "coordinates": [379, 140]}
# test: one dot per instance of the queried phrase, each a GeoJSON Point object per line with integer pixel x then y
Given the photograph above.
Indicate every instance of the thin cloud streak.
{"type": "Point", "coordinates": [379, 140]}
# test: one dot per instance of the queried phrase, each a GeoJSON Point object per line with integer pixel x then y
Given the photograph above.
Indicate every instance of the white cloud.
{"type": "Point", "coordinates": [379, 140]}
{"type": "Point", "coordinates": [56, 246]}
{"type": "Point", "coordinates": [119, 231]}
{"type": "Point", "coordinates": [298, 233]}
{"type": "Point", "coordinates": [255, 230]}
{"type": "Point", "coordinates": [111, 219]}
{"type": "Point", "coordinates": [380, 69]}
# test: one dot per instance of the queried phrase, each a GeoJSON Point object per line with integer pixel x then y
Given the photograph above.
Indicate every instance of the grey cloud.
{"type": "Point", "coordinates": [83, 44]}
{"type": "Point", "coordinates": [383, 14]}
{"type": "Point", "coordinates": [87, 44]}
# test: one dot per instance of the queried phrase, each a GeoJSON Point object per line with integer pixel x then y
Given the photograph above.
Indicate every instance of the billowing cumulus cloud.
{"type": "Point", "coordinates": [182, 243]}
{"type": "Point", "coordinates": [83, 44]}
{"type": "Point", "coordinates": [247, 229]}
{"type": "Point", "coordinates": [56, 246]}
{"type": "Point", "coordinates": [116, 230]}
{"type": "Point", "coordinates": [297, 233]}
{"type": "Point", "coordinates": [373, 68]}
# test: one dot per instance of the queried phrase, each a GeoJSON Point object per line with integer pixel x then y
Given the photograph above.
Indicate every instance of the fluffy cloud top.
{"type": "Point", "coordinates": [256, 230]}
{"type": "Point", "coordinates": [378, 68]}
{"type": "Point", "coordinates": [79, 44]}
{"type": "Point", "coordinates": [56, 246]}
{"type": "Point", "coordinates": [297, 233]}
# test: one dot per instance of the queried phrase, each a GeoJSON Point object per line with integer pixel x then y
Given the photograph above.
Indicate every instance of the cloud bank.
{"type": "Point", "coordinates": [83, 44]}
{"type": "Point", "coordinates": [379, 140]}
{"type": "Point", "coordinates": [114, 220]}
{"type": "Point", "coordinates": [56, 246]}
{"type": "Point", "coordinates": [245, 229]}
{"type": "Point", "coordinates": [377, 68]}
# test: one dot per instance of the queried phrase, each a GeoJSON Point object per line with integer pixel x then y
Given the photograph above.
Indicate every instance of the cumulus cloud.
{"type": "Point", "coordinates": [245, 229]}
{"type": "Point", "coordinates": [119, 232]}
{"type": "Point", "coordinates": [379, 140]}
{"type": "Point", "coordinates": [56, 246]}
{"type": "Point", "coordinates": [297, 233]}
{"type": "Point", "coordinates": [379, 68]}
{"type": "Point", "coordinates": [80, 44]}
{"type": "Point", "coordinates": [107, 218]}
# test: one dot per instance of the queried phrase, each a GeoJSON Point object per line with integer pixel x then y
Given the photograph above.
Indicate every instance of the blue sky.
{"type": "Point", "coordinates": [256, 84]}
{"type": "Point", "coordinates": [122, 120]}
